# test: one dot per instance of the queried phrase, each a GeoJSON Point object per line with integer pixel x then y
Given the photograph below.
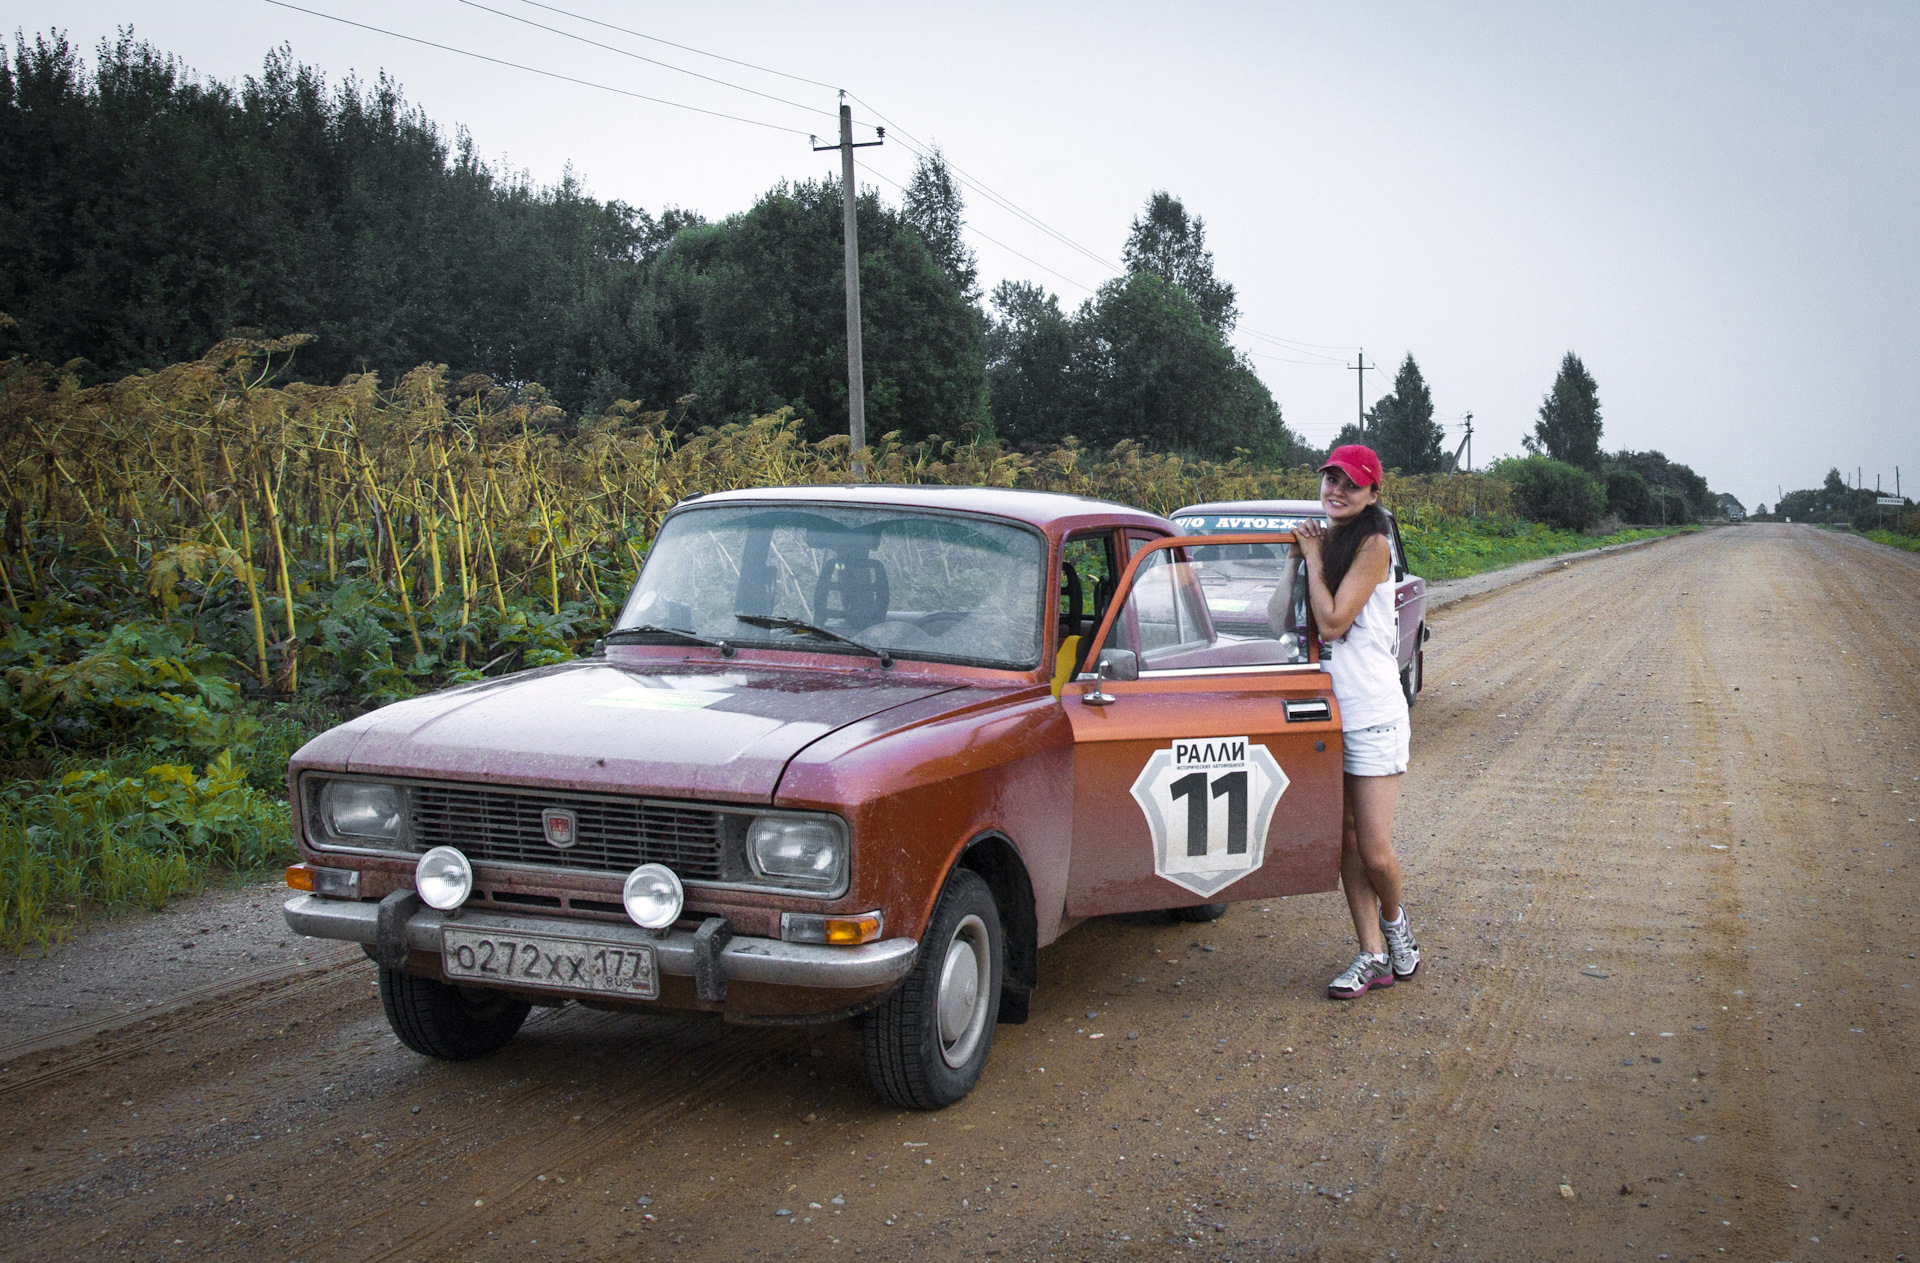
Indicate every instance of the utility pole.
{"type": "Point", "coordinates": [850, 234]}
{"type": "Point", "coordinates": [1466, 446]}
{"type": "Point", "coordinates": [1361, 368]}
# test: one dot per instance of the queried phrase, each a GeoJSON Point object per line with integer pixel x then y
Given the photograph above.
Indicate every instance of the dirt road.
{"type": "Point", "coordinates": [1660, 839]}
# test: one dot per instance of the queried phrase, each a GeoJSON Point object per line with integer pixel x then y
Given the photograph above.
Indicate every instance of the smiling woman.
{"type": "Point", "coordinates": [918, 584]}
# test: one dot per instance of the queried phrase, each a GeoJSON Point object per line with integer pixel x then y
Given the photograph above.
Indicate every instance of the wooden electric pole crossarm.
{"type": "Point", "coordinates": [856, 370]}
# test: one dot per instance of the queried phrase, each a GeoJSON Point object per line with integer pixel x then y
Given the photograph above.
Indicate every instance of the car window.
{"type": "Point", "coordinates": [1215, 612]}
{"type": "Point", "coordinates": [1088, 572]}
{"type": "Point", "coordinates": [922, 585]}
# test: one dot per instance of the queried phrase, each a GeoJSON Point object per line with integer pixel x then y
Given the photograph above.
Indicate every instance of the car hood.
{"type": "Point", "coordinates": [673, 730]}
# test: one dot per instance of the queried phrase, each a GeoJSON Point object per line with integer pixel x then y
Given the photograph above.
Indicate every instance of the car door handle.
{"type": "Point", "coordinates": [1308, 710]}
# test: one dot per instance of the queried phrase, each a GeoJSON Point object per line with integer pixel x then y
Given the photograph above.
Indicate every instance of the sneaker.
{"type": "Point", "coordinates": [1365, 973]}
{"type": "Point", "coordinates": [1401, 947]}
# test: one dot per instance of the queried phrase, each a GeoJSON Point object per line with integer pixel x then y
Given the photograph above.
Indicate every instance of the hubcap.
{"type": "Point", "coordinates": [964, 978]}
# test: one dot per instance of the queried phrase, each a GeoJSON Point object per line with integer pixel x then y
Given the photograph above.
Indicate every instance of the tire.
{"type": "Point", "coordinates": [436, 1019]}
{"type": "Point", "coordinates": [1414, 676]}
{"type": "Point", "coordinates": [922, 1053]}
{"type": "Point", "coordinates": [1200, 912]}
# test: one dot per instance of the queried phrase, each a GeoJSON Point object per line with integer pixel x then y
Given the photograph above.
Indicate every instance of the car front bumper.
{"type": "Point", "coordinates": [759, 960]}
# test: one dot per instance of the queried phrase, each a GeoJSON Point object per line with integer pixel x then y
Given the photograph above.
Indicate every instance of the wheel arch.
{"type": "Point", "coordinates": [993, 856]}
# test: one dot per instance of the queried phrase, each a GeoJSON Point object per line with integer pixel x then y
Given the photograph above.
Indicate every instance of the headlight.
{"type": "Point", "coordinates": [444, 878]}
{"type": "Point", "coordinates": [803, 852]}
{"type": "Point", "coordinates": [362, 809]}
{"type": "Point", "coordinates": [653, 896]}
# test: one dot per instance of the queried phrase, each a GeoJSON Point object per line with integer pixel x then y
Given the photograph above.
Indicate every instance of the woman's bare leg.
{"type": "Point", "coordinates": [1369, 870]}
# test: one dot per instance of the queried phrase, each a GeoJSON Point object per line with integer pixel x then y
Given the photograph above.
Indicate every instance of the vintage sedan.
{"type": "Point", "coordinates": [1274, 517]}
{"type": "Point", "coordinates": [847, 751]}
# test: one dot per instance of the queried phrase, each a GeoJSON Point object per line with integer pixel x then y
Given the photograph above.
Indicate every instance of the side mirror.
{"type": "Point", "coordinates": [1114, 664]}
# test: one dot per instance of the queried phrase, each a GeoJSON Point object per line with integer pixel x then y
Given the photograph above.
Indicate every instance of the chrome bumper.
{"type": "Point", "coordinates": [742, 959]}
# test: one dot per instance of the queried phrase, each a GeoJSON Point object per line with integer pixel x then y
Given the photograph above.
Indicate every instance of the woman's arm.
{"type": "Point", "coordinates": [1334, 612]}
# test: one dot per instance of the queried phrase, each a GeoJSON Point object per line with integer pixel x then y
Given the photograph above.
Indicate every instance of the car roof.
{"type": "Point", "coordinates": [1290, 508]}
{"type": "Point", "coordinates": [1043, 509]}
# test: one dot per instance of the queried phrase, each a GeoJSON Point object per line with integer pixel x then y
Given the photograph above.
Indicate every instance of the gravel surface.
{"type": "Point", "coordinates": [1659, 834]}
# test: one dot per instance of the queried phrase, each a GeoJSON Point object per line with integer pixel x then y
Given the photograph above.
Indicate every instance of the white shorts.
{"type": "Point", "coordinates": [1377, 751]}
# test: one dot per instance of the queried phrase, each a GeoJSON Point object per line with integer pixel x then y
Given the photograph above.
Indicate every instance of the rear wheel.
{"type": "Point", "coordinates": [927, 1042]}
{"type": "Point", "coordinates": [1414, 675]}
{"type": "Point", "coordinates": [437, 1019]}
{"type": "Point", "coordinates": [1201, 912]}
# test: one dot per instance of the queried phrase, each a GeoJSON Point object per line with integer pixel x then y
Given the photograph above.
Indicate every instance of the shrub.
{"type": "Point", "coordinates": [1553, 492]}
{"type": "Point", "coordinates": [1627, 496]}
{"type": "Point", "coordinates": [109, 836]}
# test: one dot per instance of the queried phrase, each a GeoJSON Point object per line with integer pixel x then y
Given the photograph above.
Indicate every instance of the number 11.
{"type": "Point", "coordinates": [1231, 785]}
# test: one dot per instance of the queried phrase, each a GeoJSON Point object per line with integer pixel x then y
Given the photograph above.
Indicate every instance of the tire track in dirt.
{"type": "Point", "coordinates": [121, 1035]}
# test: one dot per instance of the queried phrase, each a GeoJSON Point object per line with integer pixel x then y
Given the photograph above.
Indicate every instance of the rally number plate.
{"type": "Point", "coordinates": [551, 961]}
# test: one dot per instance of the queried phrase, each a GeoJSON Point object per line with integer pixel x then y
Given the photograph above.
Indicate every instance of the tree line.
{"type": "Point", "coordinates": [145, 213]}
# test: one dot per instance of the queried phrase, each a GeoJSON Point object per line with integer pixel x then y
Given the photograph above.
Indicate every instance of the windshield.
{"type": "Point", "coordinates": [918, 584]}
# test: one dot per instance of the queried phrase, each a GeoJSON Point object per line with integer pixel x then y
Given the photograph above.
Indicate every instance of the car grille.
{"type": "Point", "coordinates": [614, 835]}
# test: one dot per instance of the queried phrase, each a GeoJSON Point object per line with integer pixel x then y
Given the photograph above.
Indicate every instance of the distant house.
{"type": "Point", "coordinates": [1732, 508]}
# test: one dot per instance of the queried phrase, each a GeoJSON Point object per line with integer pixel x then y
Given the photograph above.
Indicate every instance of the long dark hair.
{"type": "Point", "coordinates": [1344, 540]}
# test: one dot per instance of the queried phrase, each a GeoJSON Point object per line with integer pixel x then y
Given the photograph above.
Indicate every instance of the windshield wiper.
{"type": "Point", "coordinates": [810, 629]}
{"type": "Point", "coordinates": [650, 629]}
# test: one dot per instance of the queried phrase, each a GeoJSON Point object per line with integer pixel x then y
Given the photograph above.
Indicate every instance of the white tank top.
{"type": "Point", "coordinates": [1365, 666]}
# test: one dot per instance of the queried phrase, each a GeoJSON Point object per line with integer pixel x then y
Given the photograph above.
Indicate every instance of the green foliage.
{"type": "Point", "coordinates": [934, 206]}
{"type": "Point", "coordinates": [1910, 543]}
{"type": "Point", "coordinates": [1401, 429]}
{"type": "Point", "coordinates": [132, 684]}
{"type": "Point", "coordinates": [1138, 362]}
{"type": "Point", "coordinates": [1569, 426]}
{"type": "Point", "coordinates": [1627, 496]}
{"type": "Point", "coordinates": [747, 315]}
{"type": "Point", "coordinates": [1835, 502]}
{"type": "Point", "coordinates": [108, 837]}
{"type": "Point", "coordinates": [1168, 243]}
{"type": "Point", "coordinates": [1686, 494]}
{"type": "Point", "coordinates": [1553, 492]}
{"type": "Point", "coordinates": [1454, 548]}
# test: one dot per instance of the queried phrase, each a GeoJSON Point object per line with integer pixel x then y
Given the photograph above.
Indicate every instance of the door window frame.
{"type": "Point", "coordinates": [1178, 544]}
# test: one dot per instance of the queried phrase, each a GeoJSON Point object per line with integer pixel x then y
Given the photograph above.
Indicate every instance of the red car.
{"type": "Point", "coordinates": [1238, 517]}
{"type": "Point", "coordinates": [847, 751]}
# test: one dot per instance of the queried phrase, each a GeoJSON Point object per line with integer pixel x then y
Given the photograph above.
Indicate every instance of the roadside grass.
{"type": "Point", "coordinates": [1910, 543]}
{"type": "Point", "coordinates": [106, 834]}
{"type": "Point", "coordinates": [1458, 547]}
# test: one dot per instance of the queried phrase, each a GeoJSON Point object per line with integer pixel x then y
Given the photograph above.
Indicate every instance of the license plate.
{"type": "Point", "coordinates": [552, 961]}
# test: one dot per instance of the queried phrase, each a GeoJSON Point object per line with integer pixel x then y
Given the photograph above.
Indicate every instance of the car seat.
{"type": "Point", "coordinates": [852, 592]}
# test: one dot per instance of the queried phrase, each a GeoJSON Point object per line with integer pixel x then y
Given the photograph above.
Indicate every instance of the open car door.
{"type": "Point", "coordinates": [1206, 738]}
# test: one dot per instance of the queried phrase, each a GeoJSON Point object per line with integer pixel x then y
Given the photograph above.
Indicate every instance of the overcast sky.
{"type": "Point", "coordinates": [1715, 205]}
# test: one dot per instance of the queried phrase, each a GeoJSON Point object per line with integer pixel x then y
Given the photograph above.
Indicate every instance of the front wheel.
{"type": "Point", "coordinates": [437, 1019]}
{"type": "Point", "coordinates": [1413, 676]}
{"type": "Point", "coordinates": [927, 1042]}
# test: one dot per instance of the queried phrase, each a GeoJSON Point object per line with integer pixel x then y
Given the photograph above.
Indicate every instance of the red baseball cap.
{"type": "Point", "coordinates": [1358, 462]}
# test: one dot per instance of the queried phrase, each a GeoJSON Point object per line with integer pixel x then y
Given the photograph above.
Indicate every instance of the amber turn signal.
{"type": "Point", "coordinates": [810, 927]}
{"type": "Point", "coordinates": [861, 929]}
{"type": "Point", "coordinates": [334, 883]}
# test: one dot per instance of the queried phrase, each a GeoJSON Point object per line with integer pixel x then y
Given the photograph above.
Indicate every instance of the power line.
{"type": "Point", "coordinates": [514, 65]}
{"type": "Point", "coordinates": [1268, 355]}
{"type": "Point", "coordinates": [554, 30]}
{"type": "Point", "coordinates": [920, 149]}
{"type": "Point", "coordinates": [685, 48]}
{"type": "Point", "coordinates": [970, 229]}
